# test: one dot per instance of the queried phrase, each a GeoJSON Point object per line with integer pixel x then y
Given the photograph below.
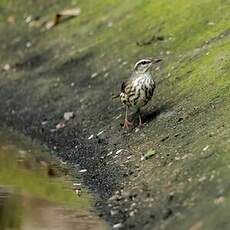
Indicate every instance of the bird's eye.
{"type": "Point", "coordinates": [144, 62]}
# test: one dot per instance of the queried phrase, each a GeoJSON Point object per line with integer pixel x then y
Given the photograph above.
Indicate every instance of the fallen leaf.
{"type": "Point", "coordinates": [6, 67]}
{"type": "Point", "coordinates": [219, 200]}
{"type": "Point", "coordinates": [11, 19]}
{"type": "Point", "coordinates": [149, 154]}
{"type": "Point", "coordinates": [67, 13]}
{"type": "Point", "coordinates": [196, 226]}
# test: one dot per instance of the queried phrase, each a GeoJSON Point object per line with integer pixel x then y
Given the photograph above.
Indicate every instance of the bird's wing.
{"type": "Point", "coordinates": [123, 86]}
{"type": "Point", "coordinates": [126, 86]}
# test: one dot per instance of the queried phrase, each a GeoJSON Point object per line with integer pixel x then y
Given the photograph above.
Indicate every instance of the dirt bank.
{"type": "Point", "coordinates": [77, 65]}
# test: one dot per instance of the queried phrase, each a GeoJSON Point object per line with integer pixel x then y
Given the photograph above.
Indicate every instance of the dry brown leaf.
{"type": "Point", "coordinates": [66, 13]}
{"type": "Point", "coordinates": [196, 226]}
{"type": "Point", "coordinates": [71, 12]}
{"type": "Point", "coordinates": [11, 19]}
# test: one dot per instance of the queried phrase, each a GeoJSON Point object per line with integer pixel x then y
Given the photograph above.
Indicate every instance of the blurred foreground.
{"type": "Point", "coordinates": [30, 198]}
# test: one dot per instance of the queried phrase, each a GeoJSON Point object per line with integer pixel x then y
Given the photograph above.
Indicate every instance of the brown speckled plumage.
{"type": "Point", "coordinates": [138, 90]}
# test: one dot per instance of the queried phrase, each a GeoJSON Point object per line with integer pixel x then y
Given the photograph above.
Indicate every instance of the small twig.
{"type": "Point", "coordinates": [67, 13]}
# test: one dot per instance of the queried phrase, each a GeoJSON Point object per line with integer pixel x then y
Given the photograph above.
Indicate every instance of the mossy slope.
{"type": "Point", "coordinates": [191, 130]}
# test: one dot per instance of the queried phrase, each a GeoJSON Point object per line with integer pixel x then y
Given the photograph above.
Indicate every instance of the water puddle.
{"type": "Point", "coordinates": [35, 193]}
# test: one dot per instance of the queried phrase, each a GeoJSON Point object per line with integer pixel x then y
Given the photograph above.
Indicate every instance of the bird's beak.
{"type": "Point", "coordinates": [154, 61]}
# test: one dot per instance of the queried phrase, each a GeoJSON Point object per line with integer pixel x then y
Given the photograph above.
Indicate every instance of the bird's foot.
{"type": "Point", "coordinates": [141, 125]}
{"type": "Point", "coordinates": [126, 124]}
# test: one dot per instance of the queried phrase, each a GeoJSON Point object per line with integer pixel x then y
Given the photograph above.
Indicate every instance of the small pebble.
{"type": "Point", "coordinates": [211, 23]}
{"type": "Point", "coordinates": [206, 147]}
{"type": "Point", "coordinates": [132, 213]}
{"type": "Point", "coordinates": [90, 137]}
{"type": "Point", "coordinates": [77, 184]}
{"type": "Point", "coordinates": [137, 130]}
{"type": "Point", "coordinates": [119, 151]}
{"type": "Point", "coordinates": [60, 125]}
{"type": "Point", "coordinates": [118, 117]}
{"type": "Point", "coordinates": [68, 115]}
{"type": "Point", "coordinates": [110, 153]}
{"type": "Point", "coordinates": [82, 170]}
{"type": "Point", "coordinates": [117, 226]}
{"type": "Point", "coordinates": [100, 132]}
{"type": "Point", "coordinates": [11, 19]}
{"type": "Point", "coordinates": [44, 122]}
{"type": "Point", "coordinates": [94, 75]}
{"type": "Point", "coordinates": [63, 162]}
{"type": "Point", "coordinates": [219, 200]}
{"type": "Point", "coordinates": [202, 179]}
{"type": "Point", "coordinates": [110, 24]}
{"type": "Point", "coordinates": [78, 192]}
{"type": "Point", "coordinates": [6, 67]}
{"type": "Point", "coordinates": [28, 44]}
{"type": "Point", "coordinates": [28, 19]}
{"type": "Point", "coordinates": [113, 212]}
{"type": "Point", "coordinates": [22, 152]}
{"type": "Point", "coordinates": [168, 52]}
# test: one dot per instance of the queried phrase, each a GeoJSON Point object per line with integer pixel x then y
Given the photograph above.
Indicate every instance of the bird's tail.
{"type": "Point", "coordinates": [115, 96]}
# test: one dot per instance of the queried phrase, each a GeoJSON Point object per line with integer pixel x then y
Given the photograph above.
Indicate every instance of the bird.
{"type": "Point", "coordinates": [138, 90]}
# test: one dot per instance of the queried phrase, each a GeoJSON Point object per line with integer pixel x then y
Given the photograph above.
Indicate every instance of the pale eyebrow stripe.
{"type": "Point", "coordinates": [147, 60]}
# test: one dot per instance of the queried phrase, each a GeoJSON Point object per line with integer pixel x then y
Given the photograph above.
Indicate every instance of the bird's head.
{"type": "Point", "coordinates": [144, 65]}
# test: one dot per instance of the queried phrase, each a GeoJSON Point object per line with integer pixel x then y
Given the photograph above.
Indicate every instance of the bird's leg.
{"type": "Point", "coordinates": [126, 123]}
{"type": "Point", "coordinates": [140, 120]}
